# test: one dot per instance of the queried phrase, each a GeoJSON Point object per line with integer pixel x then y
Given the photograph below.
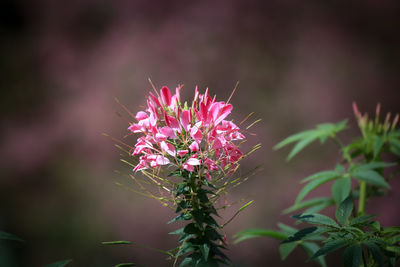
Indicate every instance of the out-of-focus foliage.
{"type": "Point", "coordinates": [366, 242]}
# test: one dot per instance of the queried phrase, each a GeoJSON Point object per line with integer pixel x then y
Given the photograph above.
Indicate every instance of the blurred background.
{"type": "Point", "coordinates": [62, 63]}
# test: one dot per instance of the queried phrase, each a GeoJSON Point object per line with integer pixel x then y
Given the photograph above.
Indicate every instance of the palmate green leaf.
{"type": "Point", "coordinates": [286, 249]}
{"type": "Point", "coordinates": [344, 210]}
{"type": "Point", "coordinates": [309, 203]}
{"type": "Point", "coordinates": [315, 218]}
{"type": "Point", "coordinates": [375, 251]}
{"type": "Point", "coordinates": [371, 177]}
{"type": "Point", "coordinates": [293, 138]}
{"type": "Point", "coordinates": [253, 233]}
{"type": "Point", "coordinates": [361, 220]}
{"type": "Point", "coordinates": [379, 141]}
{"type": "Point", "coordinates": [323, 174]}
{"type": "Point", "coordinates": [287, 229]}
{"type": "Point", "coordinates": [373, 165]}
{"type": "Point", "coordinates": [341, 189]}
{"type": "Point", "coordinates": [311, 248]}
{"type": "Point", "coordinates": [8, 236]}
{"type": "Point", "coordinates": [329, 246]}
{"type": "Point", "coordinates": [301, 234]}
{"type": "Point", "coordinates": [300, 145]}
{"type": "Point", "coordinates": [391, 230]}
{"type": "Point", "coordinates": [352, 256]}
{"type": "Point", "coordinates": [59, 263]}
{"type": "Point", "coordinates": [321, 132]}
{"type": "Point", "coordinates": [395, 249]}
{"type": "Point", "coordinates": [394, 239]}
{"type": "Point", "coordinates": [312, 185]}
{"type": "Point", "coordinates": [319, 207]}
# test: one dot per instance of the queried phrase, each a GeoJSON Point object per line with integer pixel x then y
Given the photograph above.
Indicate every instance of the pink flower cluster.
{"type": "Point", "coordinates": [193, 138]}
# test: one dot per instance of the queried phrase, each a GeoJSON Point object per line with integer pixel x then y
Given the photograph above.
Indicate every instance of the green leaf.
{"type": "Point", "coordinates": [375, 251]}
{"type": "Point", "coordinates": [59, 263]}
{"type": "Point", "coordinates": [287, 229]}
{"type": "Point", "coordinates": [116, 242]}
{"type": "Point", "coordinates": [371, 177]}
{"type": "Point", "coordinates": [329, 247]}
{"type": "Point", "coordinates": [8, 236]}
{"type": "Point", "coordinates": [341, 189]}
{"type": "Point", "coordinates": [344, 210]}
{"type": "Point", "coordinates": [300, 145]}
{"type": "Point", "coordinates": [205, 250]}
{"type": "Point", "coordinates": [323, 174]}
{"type": "Point", "coordinates": [177, 232]}
{"type": "Point", "coordinates": [395, 249]}
{"type": "Point", "coordinates": [293, 138]}
{"type": "Point", "coordinates": [286, 249]}
{"type": "Point", "coordinates": [187, 261]}
{"type": "Point", "coordinates": [311, 186]}
{"type": "Point", "coordinates": [373, 165]}
{"type": "Point", "coordinates": [299, 235]}
{"type": "Point", "coordinates": [319, 207]}
{"type": "Point", "coordinates": [315, 218]}
{"type": "Point", "coordinates": [191, 229]}
{"type": "Point", "coordinates": [352, 256]}
{"type": "Point", "coordinates": [252, 233]}
{"type": "Point", "coordinates": [186, 247]}
{"type": "Point", "coordinates": [391, 230]}
{"type": "Point", "coordinates": [308, 203]}
{"type": "Point", "coordinates": [311, 248]}
{"type": "Point", "coordinates": [378, 143]}
{"type": "Point", "coordinates": [321, 132]}
{"type": "Point", "coordinates": [361, 220]}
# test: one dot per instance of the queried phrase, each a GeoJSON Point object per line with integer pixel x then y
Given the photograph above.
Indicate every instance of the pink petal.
{"type": "Point", "coordinates": [155, 100]}
{"type": "Point", "coordinates": [196, 134]}
{"type": "Point", "coordinates": [193, 161]}
{"type": "Point", "coordinates": [173, 123]}
{"type": "Point", "coordinates": [188, 167]}
{"type": "Point", "coordinates": [194, 146]}
{"type": "Point", "coordinates": [203, 112]}
{"type": "Point", "coordinates": [141, 115]}
{"type": "Point", "coordinates": [161, 160]}
{"type": "Point", "coordinates": [185, 119]}
{"type": "Point", "coordinates": [168, 132]}
{"type": "Point", "coordinates": [214, 110]}
{"type": "Point", "coordinates": [136, 128]}
{"type": "Point", "coordinates": [225, 111]}
{"type": "Point", "coordinates": [165, 96]}
{"type": "Point", "coordinates": [160, 137]}
{"type": "Point", "coordinates": [167, 147]}
{"type": "Point", "coordinates": [182, 153]}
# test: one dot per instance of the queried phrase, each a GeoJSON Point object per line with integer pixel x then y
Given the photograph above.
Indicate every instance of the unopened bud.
{"type": "Point", "coordinates": [356, 111]}
{"type": "Point", "coordinates": [395, 121]}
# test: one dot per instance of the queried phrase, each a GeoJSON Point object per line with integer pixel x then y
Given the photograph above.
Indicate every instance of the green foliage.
{"type": "Point", "coordinates": [363, 241]}
{"type": "Point", "coordinates": [8, 236]}
{"type": "Point", "coordinates": [321, 132]}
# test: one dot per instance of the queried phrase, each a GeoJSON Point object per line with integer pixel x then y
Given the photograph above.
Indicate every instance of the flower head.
{"type": "Point", "coordinates": [194, 137]}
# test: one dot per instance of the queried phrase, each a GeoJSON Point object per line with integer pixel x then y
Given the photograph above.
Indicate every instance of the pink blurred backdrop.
{"type": "Point", "coordinates": [63, 63]}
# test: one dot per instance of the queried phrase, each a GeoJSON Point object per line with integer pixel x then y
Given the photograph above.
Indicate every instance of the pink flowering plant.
{"type": "Point", "coordinates": [364, 172]}
{"type": "Point", "coordinates": [188, 155]}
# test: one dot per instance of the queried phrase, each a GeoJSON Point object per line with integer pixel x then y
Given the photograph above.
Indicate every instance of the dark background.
{"type": "Point", "coordinates": [63, 62]}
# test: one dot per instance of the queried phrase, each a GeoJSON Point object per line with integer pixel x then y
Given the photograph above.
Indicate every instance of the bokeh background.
{"type": "Point", "coordinates": [63, 62]}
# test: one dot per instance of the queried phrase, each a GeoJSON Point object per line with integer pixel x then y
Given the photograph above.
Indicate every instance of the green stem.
{"type": "Point", "coordinates": [363, 198]}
